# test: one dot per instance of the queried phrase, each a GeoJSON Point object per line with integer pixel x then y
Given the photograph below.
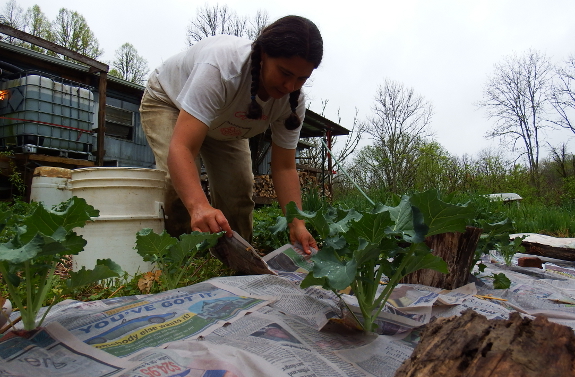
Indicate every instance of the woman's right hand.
{"type": "Point", "coordinates": [209, 219]}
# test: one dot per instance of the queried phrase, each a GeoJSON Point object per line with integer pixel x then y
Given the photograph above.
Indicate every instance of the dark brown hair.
{"type": "Point", "coordinates": [287, 37]}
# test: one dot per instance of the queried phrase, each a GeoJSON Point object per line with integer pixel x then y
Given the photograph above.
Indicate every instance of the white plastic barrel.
{"type": "Point", "coordinates": [128, 199]}
{"type": "Point", "coordinates": [50, 185]}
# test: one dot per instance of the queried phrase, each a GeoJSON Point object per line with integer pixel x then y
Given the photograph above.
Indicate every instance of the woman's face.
{"type": "Point", "coordinates": [281, 76]}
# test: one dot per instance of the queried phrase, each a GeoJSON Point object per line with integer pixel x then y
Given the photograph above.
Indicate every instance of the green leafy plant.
{"type": "Point", "coordinates": [29, 259]}
{"type": "Point", "coordinates": [360, 248]}
{"type": "Point", "coordinates": [500, 281]}
{"type": "Point", "coordinates": [14, 176]}
{"type": "Point", "coordinates": [509, 248]}
{"type": "Point", "coordinates": [265, 239]}
{"type": "Point", "coordinates": [173, 256]}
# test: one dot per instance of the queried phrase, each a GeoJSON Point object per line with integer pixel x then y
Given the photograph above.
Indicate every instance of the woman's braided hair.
{"type": "Point", "coordinates": [287, 37]}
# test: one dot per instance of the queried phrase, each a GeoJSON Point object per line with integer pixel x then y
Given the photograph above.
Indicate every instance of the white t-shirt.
{"type": "Point", "coordinates": [211, 81]}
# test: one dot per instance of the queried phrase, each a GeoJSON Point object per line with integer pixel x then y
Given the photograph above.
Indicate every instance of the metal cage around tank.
{"type": "Point", "coordinates": [41, 113]}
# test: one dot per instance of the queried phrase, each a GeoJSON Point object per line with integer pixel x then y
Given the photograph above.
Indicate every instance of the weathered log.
{"type": "Point", "coordinates": [457, 250]}
{"type": "Point", "coordinates": [470, 345]}
{"type": "Point", "coordinates": [547, 246]}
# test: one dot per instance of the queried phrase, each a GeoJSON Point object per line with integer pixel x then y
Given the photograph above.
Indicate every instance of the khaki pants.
{"type": "Point", "coordinates": [228, 165]}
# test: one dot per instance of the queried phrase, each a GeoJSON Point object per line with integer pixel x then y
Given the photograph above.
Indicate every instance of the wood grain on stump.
{"type": "Point", "coordinates": [457, 250]}
{"type": "Point", "coordinates": [470, 345]}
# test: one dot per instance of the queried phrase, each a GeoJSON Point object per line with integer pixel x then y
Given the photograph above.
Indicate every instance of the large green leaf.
{"type": "Point", "coordinates": [104, 269]}
{"type": "Point", "coordinates": [152, 246]}
{"type": "Point", "coordinates": [311, 280]}
{"type": "Point", "coordinates": [407, 220]}
{"type": "Point", "coordinates": [336, 243]}
{"type": "Point", "coordinates": [401, 215]}
{"type": "Point", "coordinates": [62, 242]}
{"type": "Point", "coordinates": [280, 225]}
{"type": "Point", "coordinates": [318, 220]}
{"type": "Point", "coordinates": [371, 227]}
{"type": "Point", "coordinates": [340, 274]}
{"type": "Point", "coordinates": [442, 217]}
{"type": "Point", "coordinates": [343, 225]}
{"type": "Point", "coordinates": [191, 243]}
{"type": "Point", "coordinates": [367, 252]}
{"type": "Point", "coordinates": [75, 212]}
{"type": "Point", "coordinates": [15, 252]}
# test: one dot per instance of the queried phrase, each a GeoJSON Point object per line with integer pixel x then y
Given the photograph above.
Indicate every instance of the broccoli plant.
{"type": "Point", "coordinates": [171, 255]}
{"type": "Point", "coordinates": [39, 241]}
{"type": "Point", "coordinates": [361, 248]}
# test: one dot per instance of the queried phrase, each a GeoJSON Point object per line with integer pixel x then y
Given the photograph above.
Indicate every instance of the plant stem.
{"type": "Point", "coordinates": [46, 312]}
{"type": "Point", "coordinates": [348, 308]}
{"type": "Point", "coordinates": [28, 314]}
{"type": "Point", "coordinates": [43, 292]}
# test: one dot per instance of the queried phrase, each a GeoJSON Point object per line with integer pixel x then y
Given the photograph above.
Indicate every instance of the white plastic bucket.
{"type": "Point", "coordinates": [50, 185]}
{"type": "Point", "coordinates": [120, 192]}
{"type": "Point", "coordinates": [115, 238]}
{"type": "Point", "coordinates": [129, 199]}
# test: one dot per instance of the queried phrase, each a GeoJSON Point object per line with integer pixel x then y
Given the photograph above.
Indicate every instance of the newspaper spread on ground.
{"type": "Point", "coordinates": [267, 325]}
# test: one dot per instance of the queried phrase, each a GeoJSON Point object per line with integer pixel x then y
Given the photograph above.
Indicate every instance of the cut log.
{"type": "Point", "coordinates": [547, 246]}
{"type": "Point", "coordinates": [457, 250]}
{"type": "Point", "coordinates": [470, 345]}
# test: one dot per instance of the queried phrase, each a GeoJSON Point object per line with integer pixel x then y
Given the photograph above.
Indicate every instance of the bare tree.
{"type": "Point", "coordinates": [129, 65]}
{"type": "Point", "coordinates": [218, 19]}
{"type": "Point", "coordinates": [71, 30]}
{"type": "Point", "coordinates": [12, 15]}
{"type": "Point", "coordinates": [516, 96]}
{"type": "Point", "coordinates": [401, 122]}
{"type": "Point", "coordinates": [257, 24]}
{"type": "Point", "coordinates": [564, 163]}
{"type": "Point", "coordinates": [343, 147]}
{"type": "Point", "coordinates": [563, 95]}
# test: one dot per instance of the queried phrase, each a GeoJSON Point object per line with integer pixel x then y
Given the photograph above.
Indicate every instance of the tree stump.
{"type": "Point", "coordinates": [470, 345]}
{"type": "Point", "coordinates": [457, 250]}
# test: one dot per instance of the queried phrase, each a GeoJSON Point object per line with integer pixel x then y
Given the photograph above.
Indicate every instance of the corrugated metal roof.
{"type": "Point", "coordinates": [63, 63]}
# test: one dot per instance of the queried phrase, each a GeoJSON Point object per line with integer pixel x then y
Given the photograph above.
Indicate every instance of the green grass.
{"type": "Point", "coordinates": [538, 218]}
{"type": "Point", "coordinates": [529, 216]}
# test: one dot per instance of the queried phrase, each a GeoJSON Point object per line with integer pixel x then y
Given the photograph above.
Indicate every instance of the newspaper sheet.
{"type": "Point", "coordinates": [130, 326]}
{"type": "Point", "coordinates": [53, 351]}
{"type": "Point", "coordinates": [267, 325]}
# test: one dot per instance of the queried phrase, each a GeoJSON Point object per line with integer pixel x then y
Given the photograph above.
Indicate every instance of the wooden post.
{"type": "Point", "coordinates": [101, 152]}
{"type": "Point", "coordinates": [457, 250]}
{"type": "Point", "coordinates": [330, 164]}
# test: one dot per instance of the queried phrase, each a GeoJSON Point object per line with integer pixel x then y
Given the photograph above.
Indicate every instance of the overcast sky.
{"type": "Point", "coordinates": [444, 49]}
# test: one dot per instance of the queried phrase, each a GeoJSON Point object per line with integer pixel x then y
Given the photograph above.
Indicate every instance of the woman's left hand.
{"type": "Point", "coordinates": [299, 233]}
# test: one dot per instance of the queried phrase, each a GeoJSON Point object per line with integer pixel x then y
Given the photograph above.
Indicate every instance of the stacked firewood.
{"type": "Point", "coordinates": [264, 188]}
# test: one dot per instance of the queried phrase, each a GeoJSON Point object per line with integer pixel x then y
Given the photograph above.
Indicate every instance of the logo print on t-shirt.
{"type": "Point", "coordinates": [228, 130]}
{"type": "Point", "coordinates": [231, 131]}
